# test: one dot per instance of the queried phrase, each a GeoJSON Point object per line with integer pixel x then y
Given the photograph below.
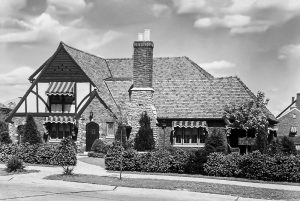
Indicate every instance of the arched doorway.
{"type": "Point", "coordinates": [92, 133]}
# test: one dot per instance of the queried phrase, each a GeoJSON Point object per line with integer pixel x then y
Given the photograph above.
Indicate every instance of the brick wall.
{"type": "Point", "coordinates": [287, 121]}
{"type": "Point", "coordinates": [142, 64]}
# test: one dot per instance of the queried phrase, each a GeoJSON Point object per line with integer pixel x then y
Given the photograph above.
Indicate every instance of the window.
{"type": "Point", "coordinates": [59, 131]}
{"type": "Point", "coordinates": [110, 130]}
{"type": "Point", "coordinates": [192, 136]}
{"type": "Point", "coordinates": [61, 103]}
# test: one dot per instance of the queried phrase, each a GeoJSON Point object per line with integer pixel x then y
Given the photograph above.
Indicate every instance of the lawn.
{"type": "Point", "coordinates": [241, 191]}
{"type": "Point", "coordinates": [4, 173]}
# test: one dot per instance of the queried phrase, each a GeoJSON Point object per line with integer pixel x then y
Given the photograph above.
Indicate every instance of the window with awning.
{"type": "Point", "coordinates": [293, 131]}
{"type": "Point", "coordinates": [61, 89]}
{"type": "Point", "coordinates": [189, 132]}
{"type": "Point", "coordinates": [59, 119]}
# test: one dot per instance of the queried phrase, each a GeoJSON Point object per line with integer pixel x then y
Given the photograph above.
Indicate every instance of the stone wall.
{"type": "Point", "coordinates": [141, 101]}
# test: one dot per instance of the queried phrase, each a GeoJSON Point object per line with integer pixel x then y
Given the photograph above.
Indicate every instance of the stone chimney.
{"type": "Point", "coordinates": [298, 101]}
{"type": "Point", "coordinates": [141, 93]}
{"type": "Point", "coordinates": [143, 61]}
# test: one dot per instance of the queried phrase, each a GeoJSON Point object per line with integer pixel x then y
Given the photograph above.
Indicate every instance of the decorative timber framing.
{"type": "Point", "coordinates": [40, 72]}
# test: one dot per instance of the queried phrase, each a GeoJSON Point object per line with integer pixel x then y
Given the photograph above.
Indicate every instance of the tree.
{"type": "Point", "coordinates": [288, 146]}
{"type": "Point", "coordinates": [251, 115]}
{"type": "Point", "coordinates": [216, 142]}
{"type": "Point", "coordinates": [144, 140]}
{"type": "Point", "coordinates": [31, 134]}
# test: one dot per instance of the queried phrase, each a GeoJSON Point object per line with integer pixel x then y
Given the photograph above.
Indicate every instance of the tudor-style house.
{"type": "Point", "coordinates": [83, 95]}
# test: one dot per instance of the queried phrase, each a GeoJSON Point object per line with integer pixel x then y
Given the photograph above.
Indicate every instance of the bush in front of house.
{"type": "Point", "coordinates": [196, 161]}
{"type": "Point", "coordinates": [99, 146]}
{"type": "Point", "coordinates": [65, 155]}
{"type": "Point", "coordinates": [14, 164]}
{"type": "Point", "coordinates": [216, 142]}
{"type": "Point", "coordinates": [45, 153]}
{"type": "Point", "coordinates": [5, 138]}
{"type": "Point", "coordinates": [27, 152]}
{"type": "Point", "coordinates": [288, 146]}
{"type": "Point", "coordinates": [31, 133]}
{"type": "Point", "coordinates": [96, 155]}
{"type": "Point", "coordinates": [156, 161]}
{"type": "Point", "coordinates": [222, 165]}
{"type": "Point", "coordinates": [6, 151]}
{"type": "Point", "coordinates": [144, 140]}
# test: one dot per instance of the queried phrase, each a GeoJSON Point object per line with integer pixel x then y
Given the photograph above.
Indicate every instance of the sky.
{"type": "Point", "coordinates": [256, 40]}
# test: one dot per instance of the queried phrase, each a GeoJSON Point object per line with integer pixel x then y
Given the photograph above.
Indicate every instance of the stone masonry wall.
{"type": "Point", "coordinates": [141, 101]}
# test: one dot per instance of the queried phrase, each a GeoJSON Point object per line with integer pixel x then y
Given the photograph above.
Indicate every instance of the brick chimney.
{"type": "Point", "coordinates": [143, 61]}
{"type": "Point", "coordinates": [298, 101]}
{"type": "Point", "coordinates": [141, 94]}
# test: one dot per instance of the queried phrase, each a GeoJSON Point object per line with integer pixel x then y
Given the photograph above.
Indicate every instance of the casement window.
{"type": "Point", "coordinates": [189, 136]}
{"type": "Point", "coordinates": [62, 104]}
{"type": "Point", "coordinates": [110, 129]}
{"type": "Point", "coordinates": [59, 131]}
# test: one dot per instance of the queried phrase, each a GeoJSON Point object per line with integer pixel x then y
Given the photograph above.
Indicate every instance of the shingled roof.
{"type": "Point", "coordinates": [164, 68]}
{"type": "Point", "coordinates": [199, 98]}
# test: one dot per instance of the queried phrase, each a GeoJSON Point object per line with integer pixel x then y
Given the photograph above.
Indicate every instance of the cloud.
{"type": "Point", "coordinates": [68, 6]}
{"type": "Point", "coordinates": [160, 10]}
{"type": "Point", "coordinates": [240, 17]}
{"type": "Point", "coordinates": [217, 65]}
{"type": "Point", "coordinates": [289, 52]}
{"type": "Point", "coordinates": [16, 77]}
{"type": "Point", "coordinates": [9, 7]}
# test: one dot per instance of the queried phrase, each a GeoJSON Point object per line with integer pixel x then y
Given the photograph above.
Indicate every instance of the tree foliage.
{"type": "Point", "coordinates": [216, 142]}
{"type": "Point", "coordinates": [31, 133]}
{"type": "Point", "coordinates": [251, 115]}
{"type": "Point", "coordinates": [144, 140]}
{"type": "Point", "coordinates": [287, 146]}
{"type": "Point", "coordinates": [4, 134]}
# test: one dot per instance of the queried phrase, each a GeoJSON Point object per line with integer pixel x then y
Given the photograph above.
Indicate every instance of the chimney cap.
{"type": "Point", "coordinates": [146, 34]}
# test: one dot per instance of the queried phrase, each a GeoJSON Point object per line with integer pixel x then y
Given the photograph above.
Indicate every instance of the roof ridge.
{"type": "Point", "coordinates": [80, 50]}
{"type": "Point", "coordinates": [207, 74]}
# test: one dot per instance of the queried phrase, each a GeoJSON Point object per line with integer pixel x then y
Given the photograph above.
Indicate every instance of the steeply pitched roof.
{"type": "Point", "coordinates": [164, 68]}
{"type": "Point", "coordinates": [199, 98]}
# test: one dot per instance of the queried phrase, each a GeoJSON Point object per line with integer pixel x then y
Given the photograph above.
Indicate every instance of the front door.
{"type": "Point", "coordinates": [92, 133]}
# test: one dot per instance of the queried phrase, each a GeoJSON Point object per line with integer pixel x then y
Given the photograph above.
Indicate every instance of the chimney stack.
{"type": "Point", "coordinates": [143, 61]}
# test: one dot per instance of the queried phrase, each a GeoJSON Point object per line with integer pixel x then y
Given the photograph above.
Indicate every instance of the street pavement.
{"type": "Point", "coordinates": [32, 186]}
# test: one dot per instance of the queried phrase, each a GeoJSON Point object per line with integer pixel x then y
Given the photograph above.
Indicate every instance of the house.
{"type": "Point", "coordinates": [83, 95]}
{"type": "Point", "coordinates": [289, 121]}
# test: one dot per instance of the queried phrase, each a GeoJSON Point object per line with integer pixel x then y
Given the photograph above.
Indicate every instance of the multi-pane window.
{"type": "Point", "coordinates": [62, 103]}
{"type": "Point", "coordinates": [189, 135]}
{"type": "Point", "coordinates": [60, 131]}
{"type": "Point", "coordinates": [110, 130]}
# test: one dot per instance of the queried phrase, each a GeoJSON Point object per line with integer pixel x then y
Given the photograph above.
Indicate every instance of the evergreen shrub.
{"type": "Point", "coordinates": [31, 133]}
{"type": "Point", "coordinates": [14, 164]}
{"type": "Point", "coordinates": [144, 140]}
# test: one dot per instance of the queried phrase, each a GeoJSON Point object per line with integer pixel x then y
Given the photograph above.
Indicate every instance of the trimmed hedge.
{"type": "Point", "coordinates": [38, 153]}
{"type": "Point", "coordinates": [254, 166]}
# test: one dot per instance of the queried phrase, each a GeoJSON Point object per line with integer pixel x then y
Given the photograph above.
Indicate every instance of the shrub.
{"type": "Point", "coordinates": [113, 157]}
{"type": "Point", "coordinates": [288, 146]}
{"type": "Point", "coordinates": [144, 140]}
{"type": "Point", "coordinates": [99, 146]}
{"type": "Point", "coordinates": [222, 165]}
{"type": "Point", "coordinates": [65, 155]}
{"type": "Point", "coordinates": [44, 153]}
{"type": "Point", "coordinates": [216, 142]}
{"type": "Point", "coordinates": [68, 170]}
{"type": "Point", "coordinates": [261, 140]}
{"type": "Point", "coordinates": [14, 164]}
{"type": "Point", "coordinates": [5, 138]}
{"type": "Point", "coordinates": [6, 151]}
{"type": "Point", "coordinates": [31, 134]}
{"type": "Point", "coordinates": [196, 161]}
{"type": "Point", "coordinates": [27, 152]}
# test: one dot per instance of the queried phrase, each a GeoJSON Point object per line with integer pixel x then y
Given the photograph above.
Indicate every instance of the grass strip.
{"type": "Point", "coordinates": [234, 190]}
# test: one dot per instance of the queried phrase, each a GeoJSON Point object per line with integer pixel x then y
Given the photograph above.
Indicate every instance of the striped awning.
{"type": "Point", "coordinates": [61, 88]}
{"type": "Point", "coordinates": [188, 124]}
{"type": "Point", "coordinates": [59, 119]}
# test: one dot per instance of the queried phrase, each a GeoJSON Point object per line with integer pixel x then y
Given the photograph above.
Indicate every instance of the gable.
{"type": "Point", "coordinates": [62, 68]}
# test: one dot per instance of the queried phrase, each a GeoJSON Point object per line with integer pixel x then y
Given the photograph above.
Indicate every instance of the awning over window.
{"type": "Point", "coordinates": [189, 124]}
{"type": "Point", "coordinates": [59, 119]}
{"type": "Point", "coordinates": [61, 88]}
